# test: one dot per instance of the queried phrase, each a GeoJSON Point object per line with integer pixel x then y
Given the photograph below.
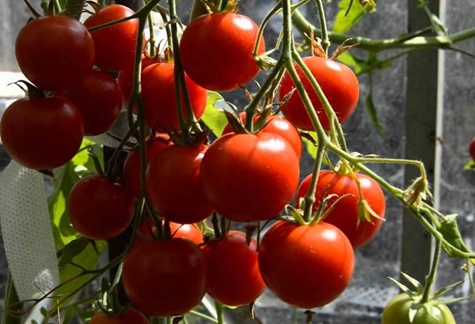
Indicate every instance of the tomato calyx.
{"type": "Point", "coordinates": [29, 89]}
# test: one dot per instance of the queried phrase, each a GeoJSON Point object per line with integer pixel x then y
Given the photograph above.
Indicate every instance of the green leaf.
{"type": "Point", "coordinates": [350, 13]}
{"type": "Point", "coordinates": [470, 166]}
{"type": "Point", "coordinates": [350, 60]}
{"type": "Point", "coordinates": [70, 250]}
{"type": "Point", "coordinates": [373, 115]}
{"type": "Point", "coordinates": [214, 117]}
{"type": "Point", "coordinates": [453, 239]}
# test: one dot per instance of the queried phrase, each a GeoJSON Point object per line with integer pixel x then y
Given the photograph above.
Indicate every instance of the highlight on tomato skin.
{"type": "Point", "coordinates": [130, 316]}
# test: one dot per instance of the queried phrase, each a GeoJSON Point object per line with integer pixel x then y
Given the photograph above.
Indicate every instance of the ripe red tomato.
{"type": "Point", "coordinates": [471, 149]}
{"type": "Point", "coordinates": [278, 125]}
{"type": "Point", "coordinates": [115, 45]}
{"type": "Point", "coordinates": [100, 209]}
{"type": "Point", "coordinates": [187, 231]}
{"type": "Point", "coordinates": [130, 316]}
{"type": "Point", "coordinates": [337, 81]}
{"type": "Point", "coordinates": [250, 177]}
{"type": "Point", "coordinates": [41, 133]}
{"type": "Point", "coordinates": [132, 165]}
{"type": "Point", "coordinates": [345, 214]}
{"type": "Point", "coordinates": [99, 100]}
{"type": "Point", "coordinates": [174, 187]}
{"type": "Point", "coordinates": [306, 266]}
{"type": "Point", "coordinates": [164, 278]}
{"type": "Point", "coordinates": [54, 52]}
{"type": "Point", "coordinates": [158, 93]}
{"type": "Point", "coordinates": [216, 50]}
{"type": "Point", "coordinates": [232, 272]}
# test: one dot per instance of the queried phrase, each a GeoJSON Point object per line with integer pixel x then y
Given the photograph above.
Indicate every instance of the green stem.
{"type": "Point", "coordinates": [323, 25]}
{"type": "Point", "coordinates": [430, 279]}
{"type": "Point", "coordinates": [219, 312]}
{"type": "Point", "coordinates": [12, 304]}
{"type": "Point", "coordinates": [152, 39]}
{"type": "Point", "coordinates": [203, 316]}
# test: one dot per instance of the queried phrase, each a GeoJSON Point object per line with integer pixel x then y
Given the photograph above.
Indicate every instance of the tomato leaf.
{"type": "Point", "coordinates": [453, 239]}
{"type": "Point", "coordinates": [70, 250]}
{"type": "Point", "coordinates": [439, 293]}
{"type": "Point", "coordinates": [348, 17]}
{"type": "Point", "coordinates": [470, 166]}
{"type": "Point", "coordinates": [373, 115]}
{"type": "Point", "coordinates": [214, 118]}
{"type": "Point", "coordinates": [352, 61]}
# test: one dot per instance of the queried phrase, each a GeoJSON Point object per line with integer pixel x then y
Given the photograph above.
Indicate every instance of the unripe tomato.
{"type": "Point", "coordinates": [216, 50]}
{"type": "Point", "coordinates": [42, 133]}
{"type": "Point", "coordinates": [55, 52]}
{"type": "Point", "coordinates": [337, 81]}
{"type": "Point", "coordinates": [130, 316]}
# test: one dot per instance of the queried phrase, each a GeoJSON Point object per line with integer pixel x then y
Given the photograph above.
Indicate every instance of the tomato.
{"type": "Point", "coordinates": [99, 100]}
{"type": "Point", "coordinates": [115, 45]}
{"type": "Point", "coordinates": [471, 149]}
{"type": "Point", "coordinates": [216, 50]}
{"type": "Point", "coordinates": [100, 209]}
{"type": "Point", "coordinates": [250, 177]}
{"type": "Point", "coordinates": [164, 278]}
{"type": "Point", "coordinates": [158, 93]}
{"type": "Point", "coordinates": [338, 82]}
{"type": "Point", "coordinates": [125, 78]}
{"type": "Point", "coordinates": [398, 310]}
{"type": "Point", "coordinates": [232, 272]}
{"type": "Point", "coordinates": [54, 52]}
{"type": "Point", "coordinates": [306, 266]}
{"type": "Point", "coordinates": [132, 165]}
{"type": "Point", "coordinates": [278, 125]}
{"type": "Point", "coordinates": [130, 316]}
{"type": "Point", "coordinates": [173, 184]}
{"type": "Point", "coordinates": [345, 214]}
{"type": "Point", "coordinates": [187, 231]}
{"type": "Point", "coordinates": [41, 133]}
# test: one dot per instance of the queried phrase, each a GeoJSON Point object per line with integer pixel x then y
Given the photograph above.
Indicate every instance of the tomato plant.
{"type": "Point", "coordinates": [338, 82]}
{"type": "Point", "coordinates": [165, 278]}
{"type": "Point", "coordinates": [232, 272]}
{"type": "Point", "coordinates": [115, 45]}
{"type": "Point", "coordinates": [129, 316]}
{"type": "Point", "coordinates": [230, 39]}
{"type": "Point", "coordinates": [99, 208]}
{"type": "Point", "coordinates": [306, 266]}
{"type": "Point", "coordinates": [234, 159]}
{"type": "Point", "coordinates": [42, 133]}
{"type": "Point", "coordinates": [346, 209]}
{"type": "Point", "coordinates": [59, 62]}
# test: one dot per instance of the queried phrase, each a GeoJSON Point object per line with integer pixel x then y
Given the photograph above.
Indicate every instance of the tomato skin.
{"type": "Point", "coordinates": [41, 133]}
{"type": "Point", "coordinates": [115, 45]}
{"type": "Point", "coordinates": [99, 100]}
{"type": "Point", "coordinates": [216, 50]}
{"type": "Point", "coordinates": [190, 232]}
{"type": "Point", "coordinates": [158, 93]}
{"type": "Point", "coordinates": [250, 177]}
{"type": "Point", "coordinates": [100, 209]}
{"type": "Point", "coordinates": [54, 62]}
{"type": "Point", "coordinates": [278, 125]}
{"type": "Point", "coordinates": [173, 184]}
{"type": "Point", "coordinates": [132, 164]}
{"type": "Point", "coordinates": [345, 214]}
{"type": "Point", "coordinates": [471, 149]}
{"type": "Point", "coordinates": [315, 263]}
{"type": "Point", "coordinates": [130, 316]}
{"type": "Point", "coordinates": [232, 271]}
{"type": "Point", "coordinates": [125, 78]}
{"type": "Point", "coordinates": [338, 82]}
{"type": "Point", "coordinates": [398, 308]}
{"type": "Point", "coordinates": [165, 278]}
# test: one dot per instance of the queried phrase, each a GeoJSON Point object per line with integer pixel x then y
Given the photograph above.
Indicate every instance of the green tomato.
{"type": "Point", "coordinates": [402, 307]}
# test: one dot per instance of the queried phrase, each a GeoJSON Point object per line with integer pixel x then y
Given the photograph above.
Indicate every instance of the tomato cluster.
{"type": "Point", "coordinates": [244, 176]}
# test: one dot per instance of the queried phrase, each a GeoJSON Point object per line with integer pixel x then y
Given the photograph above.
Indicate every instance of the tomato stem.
{"type": "Point", "coordinates": [323, 25]}
{"type": "Point", "coordinates": [430, 279]}
{"type": "Point", "coordinates": [219, 312]}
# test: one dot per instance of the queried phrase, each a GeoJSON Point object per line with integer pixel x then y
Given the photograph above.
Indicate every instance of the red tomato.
{"type": "Point", "coordinates": [216, 50]}
{"type": "Point", "coordinates": [41, 133]}
{"type": "Point", "coordinates": [54, 52]}
{"type": "Point", "coordinates": [174, 187]}
{"type": "Point", "coordinates": [337, 81]}
{"type": "Point", "coordinates": [132, 165]}
{"type": "Point", "coordinates": [471, 149]}
{"type": "Point", "coordinates": [130, 316]}
{"type": "Point", "coordinates": [306, 266]}
{"type": "Point", "coordinates": [99, 100]}
{"type": "Point", "coordinates": [115, 45]}
{"type": "Point", "coordinates": [164, 278]}
{"type": "Point", "coordinates": [232, 272]}
{"type": "Point", "coordinates": [187, 231]}
{"type": "Point", "coordinates": [250, 177]}
{"type": "Point", "coordinates": [158, 93]}
{"type": "Point", "coordinates": [345, 214]}
{"type": "Point", "coordinates": [278, 125]}
{"type": "Point", "coordinates": [100, 209]}
{"type": "Point", "coordinates": [125, 78]}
